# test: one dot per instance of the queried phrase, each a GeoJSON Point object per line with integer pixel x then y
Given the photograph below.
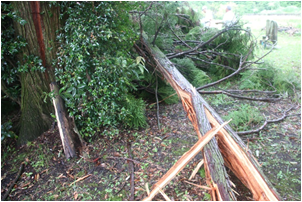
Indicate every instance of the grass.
{"type": "Point", "coordinates": [288, 56]}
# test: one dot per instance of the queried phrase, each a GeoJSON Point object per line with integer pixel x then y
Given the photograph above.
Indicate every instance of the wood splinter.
{"type": "Point", "coordinates": [183, 161]}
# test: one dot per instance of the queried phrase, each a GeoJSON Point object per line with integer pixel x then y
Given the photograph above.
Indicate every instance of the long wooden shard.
{"type": "Point", "coordinates": [214, 156]}
{"type": "Point", "coordinates": [183, 161]}
{"type": "Point", "coordinates": [70, 140]}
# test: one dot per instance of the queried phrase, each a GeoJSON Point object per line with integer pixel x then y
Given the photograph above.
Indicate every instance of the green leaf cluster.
{"type": "Point", "coordinates": [6, 131]}
{"type": "Point", "coordinates": [268, 77]}
{"type": "Point", "coordinates": [243, 117]}
{"type": "Point", "coordinates": [94, 68]}
{"type": "Point", "coordinates": [188, 69]}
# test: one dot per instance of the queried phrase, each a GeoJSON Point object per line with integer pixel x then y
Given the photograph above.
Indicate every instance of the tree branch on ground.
{"type": "Point", "coordinates": [240, 97]}
{"type": "Point", "coordinates": [266, 122]}
{"type": "Point", "coordinates": [237, 71]}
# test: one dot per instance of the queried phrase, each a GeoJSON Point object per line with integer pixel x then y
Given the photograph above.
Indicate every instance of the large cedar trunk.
{"type": "Point", "coordinates": [40, 33]}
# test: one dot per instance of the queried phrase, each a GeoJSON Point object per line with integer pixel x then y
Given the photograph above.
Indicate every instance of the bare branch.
{"type": "Point", "coordinates": [266, 122]}
{"type": "Point", "coordinates": [240, 97]}
{"type": "Point", "coordinates": [238, 70]}
{"type": "Point", "coordinates": [211, 63]}
{"type": "Point", "coordinates": [249, 91]}
{"type": "Point", "coordinates": [179, 37]}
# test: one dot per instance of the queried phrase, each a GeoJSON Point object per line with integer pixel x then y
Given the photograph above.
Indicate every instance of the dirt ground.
{"type": "Point", "coordinates": [102, 170]}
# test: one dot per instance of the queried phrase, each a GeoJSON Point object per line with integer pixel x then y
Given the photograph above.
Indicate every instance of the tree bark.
{"type": "Point", "coordinates": [40, 34]}
{"type": "Point", "coordinates": [215, 152]}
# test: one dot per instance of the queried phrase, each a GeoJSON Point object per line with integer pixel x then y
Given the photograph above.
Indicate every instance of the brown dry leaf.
{"type": "Point", "coordinates": [71, 176]}
{"type": "Point", "coordinates": [55, 196]}
{"type": "Point", "coordinates": [116, 154]}
{"type": "Point", "coordinates": [46, 170]}
{"type": "Point", "coordinates": [62, 176]}
{"type": "Point", "coordinates": [75, 195]}
{"type": "Point", "coordinates": [138, 188]}
{"type": "Point", "coordinates": [151, 170]}
{"type": "Point", "coordinates": [24, 185]}
{"type": "Point", "coordinates": [163, 145]}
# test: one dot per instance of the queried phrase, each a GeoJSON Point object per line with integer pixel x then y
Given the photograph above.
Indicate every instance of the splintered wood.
{"type": "Point", "coordinates": [238, 161]}
{"type": "Point", "coordinates": [227, 149]}
{"type": "Point", "coordinates": [183, 161]}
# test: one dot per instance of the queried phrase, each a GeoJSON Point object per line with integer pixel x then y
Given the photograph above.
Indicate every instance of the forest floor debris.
{"type": "Point", "coordinates": [48, 175]}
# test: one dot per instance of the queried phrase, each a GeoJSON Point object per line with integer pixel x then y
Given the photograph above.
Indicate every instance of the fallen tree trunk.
{"type": "Point", "coordinates": [71, 141]}
{"type": "Point", "coordinates": [215, 154]}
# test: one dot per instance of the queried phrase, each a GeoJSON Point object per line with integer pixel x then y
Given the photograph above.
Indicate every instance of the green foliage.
{"type": "Point", "coordinates": [219, 99]}
{"type": "Point", "coordinates": [161, 16]}
{"type": "Point", "coordinates": [11, 45]}
{"type": "Point", "coordinates": [6, 131]}
{"type": "Point", "coordinates": [165, 91]}
{"type": "Point", "coordinates": [94, 68]}
{"type": "Point", "coordinates": [243, 117]}
{"type": "Point", "coordinates": [207, 197]}
{"type": "Point", "coordinates": [188, 69]}
{"type": "Point", "coordinates": [282, 80]}
{"type": "Point", "coordinates": [194, 34]}
{"type": "Point", "coordinates": [230, 43]}
{"type": "Point", "coordinates": [135, 117]}
{"type": "Point", "coordinates": [202, 173]}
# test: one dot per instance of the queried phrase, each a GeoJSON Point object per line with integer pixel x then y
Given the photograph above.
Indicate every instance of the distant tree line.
{"type": "Point", "coordinates": [249, 7]}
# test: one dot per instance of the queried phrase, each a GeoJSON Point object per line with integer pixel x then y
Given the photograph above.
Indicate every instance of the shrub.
{"type": "Point", "coordinates": [94, 69]}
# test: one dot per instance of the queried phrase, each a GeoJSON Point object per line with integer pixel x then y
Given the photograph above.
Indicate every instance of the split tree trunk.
{"type": "Point", "coordinates": [215, 152]}
{"type": "Point", "coordinates": [70, 140]}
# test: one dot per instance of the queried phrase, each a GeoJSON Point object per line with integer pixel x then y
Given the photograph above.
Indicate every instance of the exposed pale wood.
{"type": "Point", "coordinates": [164, 195]}
{"type": "Point", "coordinates": [183, 161]}
{"type": "Point", "coordinates": [192, 103]}
{"type": "Point", "coordinates": [147, 188]}
{"type": "Point", "coordinates": [196, 169]}
{"type": "Point", "coordinates": [237, 160]}
{"type": "Point", "coordinates": [195, 106]}
{"type": "Point", "coordinates": [200, 186]}
{"type": "Point", "coordinates": [80, 179]}
{"type": "Point", "coordinates": [70, 140]}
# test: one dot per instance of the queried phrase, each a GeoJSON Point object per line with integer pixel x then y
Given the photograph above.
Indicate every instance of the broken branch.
{"type": "Point", "coordinates": [183, 161]}
{"type": "Point", "coordinates": [14, 182]}
{"type": "Point", "coordinates": [266, 122]}
{"type": "Point", "coordinates": [82, 178]}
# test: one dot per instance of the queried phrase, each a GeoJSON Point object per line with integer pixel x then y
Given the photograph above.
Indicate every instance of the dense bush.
{"type": "Point", "coordinates": [94, 69]}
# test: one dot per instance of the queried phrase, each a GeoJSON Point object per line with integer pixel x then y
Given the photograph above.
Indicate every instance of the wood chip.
{"type": "Point", "coordinates": [82, 178]}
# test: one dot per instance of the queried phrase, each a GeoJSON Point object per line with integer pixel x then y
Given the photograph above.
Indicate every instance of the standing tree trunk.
{"type": "Point", "coordinates": [40, 34]}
